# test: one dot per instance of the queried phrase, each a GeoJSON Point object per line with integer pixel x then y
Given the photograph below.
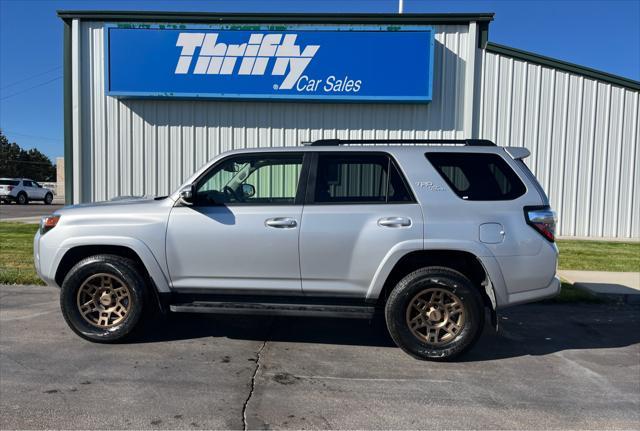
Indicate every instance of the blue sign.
{"type": "Point", "coordinates": [354, 63]}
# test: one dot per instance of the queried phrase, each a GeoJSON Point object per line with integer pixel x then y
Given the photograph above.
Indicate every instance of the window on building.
{"type": "Point", "coordinates": [257, 180]}
{"type": "Point", "coordinates": [359, 178]}
{"type": "Point", "coordinates": [477, 176]}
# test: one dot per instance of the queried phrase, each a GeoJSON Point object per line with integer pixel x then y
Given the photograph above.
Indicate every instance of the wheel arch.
{"type": "Point", "coordinates": [76, 253]}
{"type": "Point", "coordinates": [74, 249]}
{"type": "Point", "coordinates": [462, 261]}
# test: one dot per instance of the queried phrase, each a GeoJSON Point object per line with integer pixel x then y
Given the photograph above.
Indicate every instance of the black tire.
{"type": "Point", "coordinates": [22, 198]}
{"type": "Point", "coordinates": [48, 198]}
{"type": "Point", "coordinates": [442, 279]}
{"type": "Point", "coordinates": [114, 266]}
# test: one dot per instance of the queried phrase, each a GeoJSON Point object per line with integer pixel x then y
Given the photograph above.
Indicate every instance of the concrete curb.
{"type": "Point", "coordinates": [618, 298]}
{"type": "Point", "coordinates": [621, 287]}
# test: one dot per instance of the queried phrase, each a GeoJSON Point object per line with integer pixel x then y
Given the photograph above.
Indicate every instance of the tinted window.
{"type": "Point", "coordinates": [478, 177]}
{"type": "Point", "coordinates": [8, 183]}
{"type": "Point", "coordinates": [26, 183]}
{"type": "Point", "coordinates": [257, 180]}
{"type": "Point", "coordinates": [359, 178]}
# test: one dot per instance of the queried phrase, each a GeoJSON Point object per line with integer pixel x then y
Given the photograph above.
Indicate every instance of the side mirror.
{"type": "Point", "coordinates": [248, 190]}
{"type": "Point", "coordinates": [187, 194]}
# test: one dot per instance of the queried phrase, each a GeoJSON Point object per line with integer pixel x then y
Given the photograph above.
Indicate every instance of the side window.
{"type": "Point", "coordinates": [26, 183]}
{"type": "Point", "coordinates": [359, 178]}
{"type": "Point", "coordinates": [257, 180]}
{"type": "Point", "coordinates": [478, 177]}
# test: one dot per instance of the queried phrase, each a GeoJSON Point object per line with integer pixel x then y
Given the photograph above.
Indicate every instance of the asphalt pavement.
{"type": "Point", "coordinates": [33, 210]}
{"type": "Point", "coordinates": [550, 366]}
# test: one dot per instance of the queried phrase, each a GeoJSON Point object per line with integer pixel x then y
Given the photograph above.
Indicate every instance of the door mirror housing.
{"type": "Point", "coordinates": [187, 194]}
{"type": "Point", "coordinates": [248, 190]}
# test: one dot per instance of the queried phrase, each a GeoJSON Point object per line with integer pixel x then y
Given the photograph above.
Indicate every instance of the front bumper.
{"type": "Point", "coordinates": [37, 261]}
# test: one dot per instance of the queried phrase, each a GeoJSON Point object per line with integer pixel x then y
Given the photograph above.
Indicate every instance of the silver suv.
{"type": "Point", "coordinates": [434, 237]}
{"type": "Point", "coordinates": [23, 190]}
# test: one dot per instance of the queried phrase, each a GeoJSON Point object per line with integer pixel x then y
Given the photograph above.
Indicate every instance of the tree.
{"type": "Point", "coordinates": [16, 162]}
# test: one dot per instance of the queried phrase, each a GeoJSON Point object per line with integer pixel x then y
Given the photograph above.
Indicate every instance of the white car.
{"type": "Point", "coordinates": [23, 190]}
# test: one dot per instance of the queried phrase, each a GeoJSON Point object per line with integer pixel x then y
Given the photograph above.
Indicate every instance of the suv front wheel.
{"type": "Point", "coordinates": [102, 298]}
{"type": "Point", "coordinates": [434, 313]}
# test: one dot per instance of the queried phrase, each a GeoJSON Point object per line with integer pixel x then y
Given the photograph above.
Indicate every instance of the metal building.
{"type": "Point", "coordinates": [580, 125]}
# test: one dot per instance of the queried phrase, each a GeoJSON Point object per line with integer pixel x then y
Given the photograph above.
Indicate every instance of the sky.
{"type": "Point", "coordinates": [603, 35]}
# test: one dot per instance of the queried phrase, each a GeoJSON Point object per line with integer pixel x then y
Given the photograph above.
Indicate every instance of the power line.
{"type": "Point", "coordinates": [29, 162]}
{"type": "Point", "coordinates": [31, 88]}
{"type": "Point", "coordinates": [46, 138]}
{"type": "Point", "coordinates": [4, 87]}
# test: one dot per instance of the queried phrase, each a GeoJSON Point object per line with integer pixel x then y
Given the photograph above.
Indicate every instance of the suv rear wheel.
{"type": "Point", "coordinates": [434, 313]}
{"type": "Point", "coordinates": [102, 298]}
{"type": "Point", "coordinates": [22, 198]}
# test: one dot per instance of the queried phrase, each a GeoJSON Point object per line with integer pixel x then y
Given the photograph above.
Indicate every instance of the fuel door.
{"type": "Point", "coordinates": [491, 233]}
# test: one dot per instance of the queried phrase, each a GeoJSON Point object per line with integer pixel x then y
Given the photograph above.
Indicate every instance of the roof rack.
{"type": "Point", "coordinates": [467, 142]}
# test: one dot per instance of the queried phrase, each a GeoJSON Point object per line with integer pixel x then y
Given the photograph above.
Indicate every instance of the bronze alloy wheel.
{"type": "Point", "coordinates": [104, 300]}
{"type": "Point", "coordinates": [435, 316]}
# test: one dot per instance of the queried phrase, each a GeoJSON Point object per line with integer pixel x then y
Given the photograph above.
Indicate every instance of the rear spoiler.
{"type": "Point", "coordinates": [518, 153]}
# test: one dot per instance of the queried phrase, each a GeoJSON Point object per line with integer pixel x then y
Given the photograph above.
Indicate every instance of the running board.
{"type": "Point", "coordinates": [275, 309]}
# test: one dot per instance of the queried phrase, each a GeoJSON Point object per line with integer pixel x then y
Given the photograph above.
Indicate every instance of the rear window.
{"type": "Point", "coordinates": [533, 180]}
{"type": "Point", "coordinates": [9, 182]}
{"type": "Point", "coordinates": [478, 177]}
{"type": "Point", "coordinates": [359, 179]}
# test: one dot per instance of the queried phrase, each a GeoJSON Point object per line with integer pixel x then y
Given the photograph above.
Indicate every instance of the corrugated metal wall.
{"type": "Point", "coordinates": [583, 135]}
{"type": "Point", "coordinates": [134, 147]}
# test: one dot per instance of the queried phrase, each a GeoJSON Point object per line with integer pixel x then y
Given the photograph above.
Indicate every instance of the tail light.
{"type": "Point", "coordinates": [542, 219]}
{"type": "Point", "coordinates": [48, 223]}
{"type": "Point", "coordinates": [10, 188]}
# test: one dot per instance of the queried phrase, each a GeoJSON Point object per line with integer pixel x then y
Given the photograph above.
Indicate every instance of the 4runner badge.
{"type": "Point", "coordinates": [430, 186]}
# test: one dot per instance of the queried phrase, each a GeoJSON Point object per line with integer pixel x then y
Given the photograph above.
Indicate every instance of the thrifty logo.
{"type": "Point", "coordinates": [217, 58]}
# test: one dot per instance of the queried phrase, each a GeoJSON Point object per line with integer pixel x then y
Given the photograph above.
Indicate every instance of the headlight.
{"type": "Point", "coordinates": [47, 223]}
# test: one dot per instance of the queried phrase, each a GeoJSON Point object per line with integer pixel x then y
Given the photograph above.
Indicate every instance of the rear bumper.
{"type": "Point", "coordinates": [553, 289]}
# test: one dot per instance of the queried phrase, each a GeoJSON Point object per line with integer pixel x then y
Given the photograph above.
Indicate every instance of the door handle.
{"type": "Point", "coordinates": [281, 222]}
{"type": "Point", "coordinates": [395, 221]}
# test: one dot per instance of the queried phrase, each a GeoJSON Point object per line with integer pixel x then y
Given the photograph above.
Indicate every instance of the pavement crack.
{"type": "Point", "coordinates": [245, 425]}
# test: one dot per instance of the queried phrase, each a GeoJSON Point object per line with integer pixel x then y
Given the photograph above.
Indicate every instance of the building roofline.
{"type": "Point", "coordinates": [562, 65]}
{"type": "Point", "coordinates": [278, 18]}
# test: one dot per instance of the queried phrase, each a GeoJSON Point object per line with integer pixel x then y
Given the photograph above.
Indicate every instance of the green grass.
{"type": "Point", "coordinates": [16, 253]}
{"type": "Point", "coordinates": [594, 256]}
{"type": "Point", "coordinates": [599, 255]}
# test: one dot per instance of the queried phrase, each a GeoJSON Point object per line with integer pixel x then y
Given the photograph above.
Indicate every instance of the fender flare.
{"type": "Point", "coordinates": [153, 267]}
{"type": "Point", "coordinates": [495, 288]}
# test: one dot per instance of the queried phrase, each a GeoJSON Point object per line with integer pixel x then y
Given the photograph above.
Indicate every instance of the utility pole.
{"type": "Point", "coordinates": [400, 6]}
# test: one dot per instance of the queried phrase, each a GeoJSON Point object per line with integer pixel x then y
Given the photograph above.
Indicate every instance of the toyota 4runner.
{"type": "Point", "coordinates": [435, 235]}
